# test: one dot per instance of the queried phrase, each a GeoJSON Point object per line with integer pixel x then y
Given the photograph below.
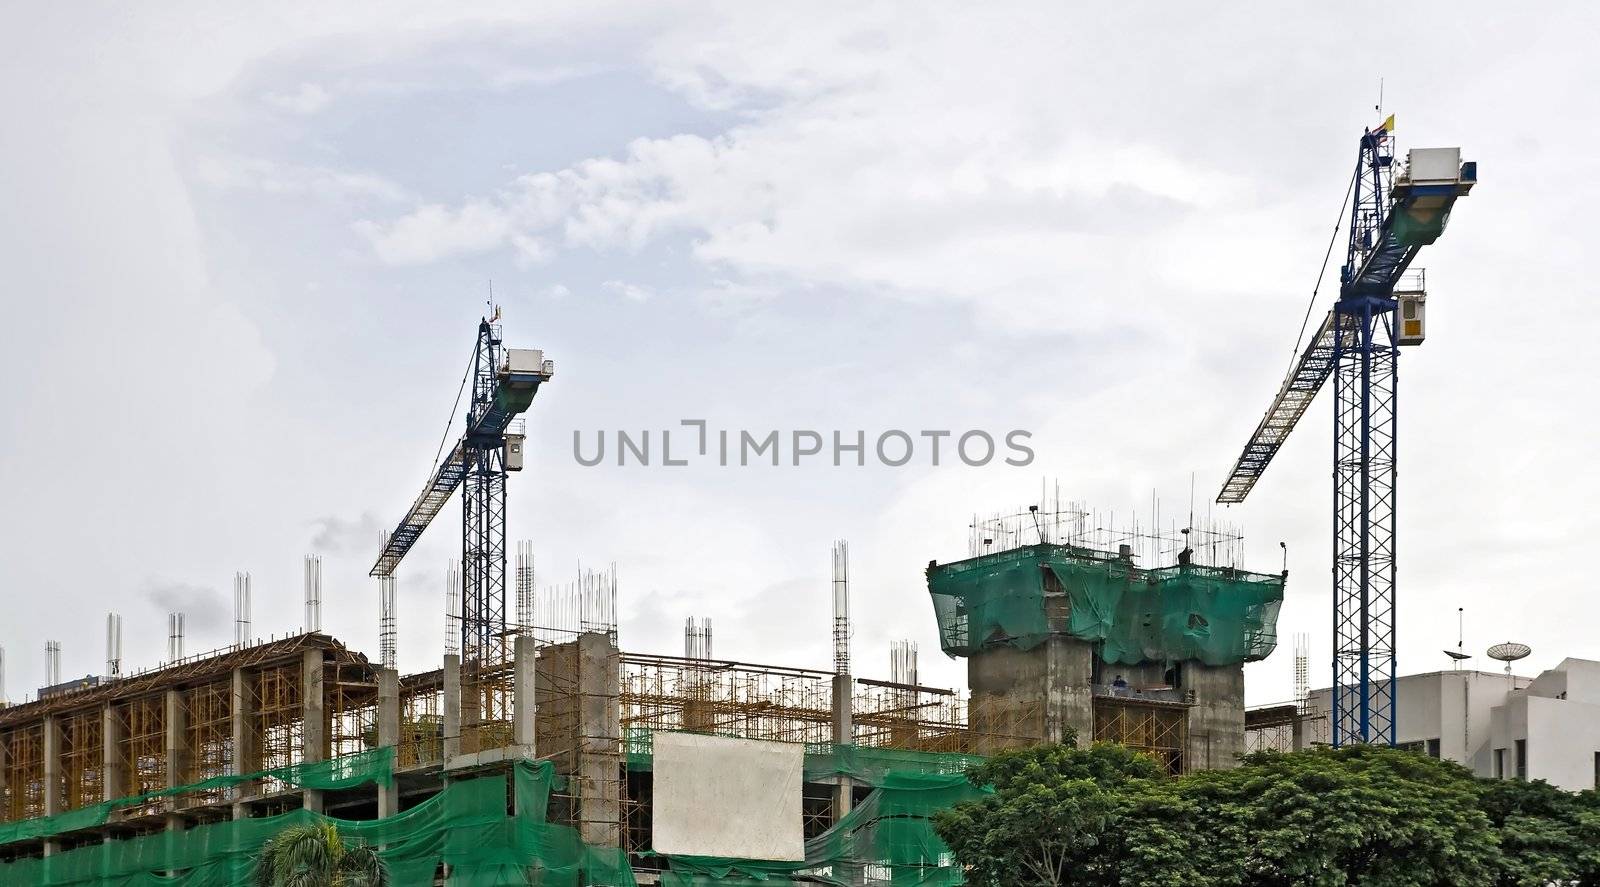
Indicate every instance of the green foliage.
{"type": "Point", "coordinates": [1106, 817]}
{"type": "Point", "coordinates": [313, 855]}
{"type": "Point", "coordinates": [1546, 835]}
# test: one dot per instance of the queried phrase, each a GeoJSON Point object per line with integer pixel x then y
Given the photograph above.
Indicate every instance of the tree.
{"type": "Point", "coordinates": [1107, 817]}
{"type": "Point", "coordinates": [1050, 819]}
{"type": "Point", "coordinates": [1546, 835]}
{"type": "Point", "coordinates": [313, 855]}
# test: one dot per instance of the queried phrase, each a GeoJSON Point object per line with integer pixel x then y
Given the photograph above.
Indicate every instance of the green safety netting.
{"type": "Point", "coordinates": [1217, 615]}
{"type": "Point", "coordinates": [375, 766]}
{"type": "Point", "coordinates": [465, 827]}
{"type": "Point", "coordinates": [886, 839]}
{"type": "Point", "coordinates": [824, 761]}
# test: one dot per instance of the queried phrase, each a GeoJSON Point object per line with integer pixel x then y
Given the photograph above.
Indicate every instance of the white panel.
{"type": "Point", "coordinates": [1435, 164]}
{"type": "Point", "coordinates": [524, 360]}
{"type": "Point", "coordinates": [737, 798]}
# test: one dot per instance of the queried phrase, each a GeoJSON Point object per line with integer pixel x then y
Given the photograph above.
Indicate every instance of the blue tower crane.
{"type": "Point", "coordinates": [504, 381]}
{"type": "Point", "coordinates": [1393, 214]}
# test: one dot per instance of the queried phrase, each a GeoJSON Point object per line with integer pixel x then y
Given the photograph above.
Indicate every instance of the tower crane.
{"type": "Point", "coordinates": [504, 381]}
{"type": "Point", "coordinates": [1395, 210]}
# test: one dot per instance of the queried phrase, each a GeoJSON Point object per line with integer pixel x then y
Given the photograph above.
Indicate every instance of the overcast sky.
{"type": "Point", "coordinates": [243, 251]}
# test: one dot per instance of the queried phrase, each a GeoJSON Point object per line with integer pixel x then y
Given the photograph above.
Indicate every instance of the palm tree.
{"type": "Point", "coordinates": [313, 855]}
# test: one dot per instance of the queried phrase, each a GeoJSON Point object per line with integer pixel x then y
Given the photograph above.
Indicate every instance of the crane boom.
{"type": "Point", "coordinates": [422, 511]}
{"type": "Point", "coordinates": [1300, 387]}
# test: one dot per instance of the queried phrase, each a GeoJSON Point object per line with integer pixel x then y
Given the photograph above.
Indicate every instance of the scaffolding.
{"type": "Point", "coordinates": [82, 760]}
{"type": "Point", "coordinates": [23, 752]}
{"type": "Point", "coordinates": [421, 720]}
{"type": "Point", "coordinates": [209, 715]}
{"type": "Point", "coordinates": [1159, 729]}
{"type": "Point", "coordinates": [142, 749]}
{"type": "Point", "coordinates": [351, 693]}
{"type": "Point", "coordinates": [728, 698]}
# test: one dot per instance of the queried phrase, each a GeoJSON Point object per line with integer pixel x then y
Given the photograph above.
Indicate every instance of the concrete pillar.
{"type": "Point", "coordinates": [246, 738]}
{"type": "Point", "coordinates": [388, 734]}
{"type": "Point", "coordinates": [526, 704]}
{"type": "Point", "coordinates": [843, 734]}
{"type": "Point", "coordinates": [313, 719]}
{"type": "Point", "coordinates": [1024, 697]}
{"type": "Point", "coordinates": [1297, 732]}
{"type": "Point", "coordinates": [599, 741]}
{"type": "Point", "coordinates": [114, 782]}
{"type": "Point", "coordinates": [1216, 720]}
{"type": "Point", "coordinates": [52, 766]}
{"type": "Point", "coordinates": [452, 706]}
{"type": "Point", "coordinates": [52, 777]}
{"type": "Point", "coordinates": [180, 758]}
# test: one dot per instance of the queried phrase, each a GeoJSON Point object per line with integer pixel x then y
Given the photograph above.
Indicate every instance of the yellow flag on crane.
{"type": "Point", "coordinates": [1388, 124]}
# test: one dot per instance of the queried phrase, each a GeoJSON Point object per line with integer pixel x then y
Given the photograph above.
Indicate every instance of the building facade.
{"type": "Point", "coordinates": [1498, 725]}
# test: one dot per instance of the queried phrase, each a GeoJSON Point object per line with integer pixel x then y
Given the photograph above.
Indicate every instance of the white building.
{"type": "Point", "coordinates": [1498, 725]}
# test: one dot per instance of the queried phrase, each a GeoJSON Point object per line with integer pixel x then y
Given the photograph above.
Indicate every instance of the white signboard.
{"type": "Point", "coordinates": [738, 798]}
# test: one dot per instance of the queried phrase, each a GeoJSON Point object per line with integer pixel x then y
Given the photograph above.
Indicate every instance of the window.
{"type": "Point", "coordinates": [1597, 769]}
{"type": "Point", "coordinates": [1522, 759]}
{"type": "Point", "coordinates": [1433, 748]}
{"type": "Point", "coordinates": [1499, 763]}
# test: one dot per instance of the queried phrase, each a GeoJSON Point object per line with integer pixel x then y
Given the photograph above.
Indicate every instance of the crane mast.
{"type": "Point", "coordinates": [1393, 214]}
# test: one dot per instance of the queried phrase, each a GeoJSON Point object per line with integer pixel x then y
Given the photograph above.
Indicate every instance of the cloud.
{"type": "Point", "coordinates": [236, 173]}
{"type": "Point", "coordinates": [308, 98]}
{"type": "Point", "coordinates": [341, 536]}
{"type": "Point", "coordinates": [881, 172]}
{"type": "Point", "coordinates": [204, 608]}
{"type": "Point", "coordinates": [633, 292]}
{"type": "Point", "coordinates": [435, 232]}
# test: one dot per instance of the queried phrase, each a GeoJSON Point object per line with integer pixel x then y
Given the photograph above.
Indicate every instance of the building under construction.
{"type": "Point", "coordinates": [565, 762]}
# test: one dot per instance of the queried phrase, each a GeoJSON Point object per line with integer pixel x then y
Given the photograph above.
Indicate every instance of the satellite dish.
{"type": "Point", "coordinates": [1457, 655]}
{"type": "Point", "coordinates": [1509, 653]}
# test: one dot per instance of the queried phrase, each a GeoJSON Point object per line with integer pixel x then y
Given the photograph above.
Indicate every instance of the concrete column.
{"type": "Point", "coordinates": [180, 757]}
{"type": "Point", "coordinates": [388, 734]}
{"type": "Point", "coordinates": [600, 741]}
{"type": "Point", "coordinates": [52, 777]}
{"type": "Point", "coordinates": [1216, 720]}
{"type": "Point", "coordinates": [1297, 732]}
{"type": "Point", "coordinates": [52, 766]}
{"type": "Point", "coordinates": [1068, 690]}
{"type": "Point", "coordinates": [246, 738]}
{"type": "Point", "coordinates": [843, 734]}
{"type": "Point", "coordinates": [313, 719]}
{"type": "Point", "coordinates": [527, 705]}
{"type": "Point", "coordinates": [114, 782]}
{"type": "Point", "coordinates": [452, 706]}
